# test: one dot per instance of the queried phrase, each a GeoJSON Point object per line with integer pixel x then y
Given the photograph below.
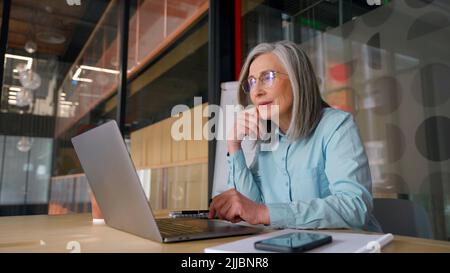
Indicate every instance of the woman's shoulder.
{"type": "Point", "coordinates": [333, 119]}
{"type": "Point", "coordinates": [332, 115]}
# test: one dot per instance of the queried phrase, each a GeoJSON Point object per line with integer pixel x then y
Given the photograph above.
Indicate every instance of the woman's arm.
{"type": "Point", "coordinates": [350, 202]}
{"type": "Point", "coordinates": [243, 201]}
{"type": "Point", "coordinates": [241, 178]}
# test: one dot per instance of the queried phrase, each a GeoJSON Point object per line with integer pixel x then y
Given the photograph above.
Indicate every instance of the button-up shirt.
{"type": "Point", "coordinates": [319, 181]}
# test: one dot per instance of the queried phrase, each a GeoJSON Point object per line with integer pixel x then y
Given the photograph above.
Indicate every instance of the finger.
{"type": "Point", "coordinates": [257, 112]}
{"type": "Point", "coordinates": [252, 122]}
{"type": "Point", "coordinates": [215, 205]}
{"type": "Point", "coordinates": [251, 110]}
{"type": "Point", "coordinates": [239, 130]}
{"type": "Point", "coordinates": [255, 123]}
{"type": "Point", "coordinates": [248, 128]}
{"type": "Point", "coordinates": [224, 210]}
{"type": "Point", "coordinates": [250, 132]}
{"type": "Point", "coordinates": [218, 204]}
{"type": "Point", "coordinates": [213, 209]}
{"type": "Point", "coordinates": [212, 212]}
{"type": "Point", "coordinates": [246, 125]}
{"type": "Point", "coordinates": [255, 118]}
{"type": "Point", "coordinates": [251, 113]}
{"type": "Point", "coordinates": [232, 213]}
{"type": "Point", "coordinates": [223, 203]}
{"type": "Point", "coordinates": [250, 119]}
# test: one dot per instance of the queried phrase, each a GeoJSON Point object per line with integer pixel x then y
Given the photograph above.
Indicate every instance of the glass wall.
{"type": "Point", "coordinates": [47, 43]}
{"type": "Point", "coordinates": [169, 40]}
{"type": "Point", "coordinates": [61, 79]}
{"type": "Point", "coordinates": [388, 65]}
{"type": "Point", "coordinates": [90, 80]}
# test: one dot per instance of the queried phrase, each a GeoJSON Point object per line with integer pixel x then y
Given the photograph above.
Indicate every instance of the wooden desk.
{"type": "Point", "coordinates": [52, 234]}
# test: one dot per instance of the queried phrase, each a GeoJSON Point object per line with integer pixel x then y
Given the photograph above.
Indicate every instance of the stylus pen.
{"type": "Point", "coordinates": [194, 211]}
{"type": "Point", "coordinates": [188, 212]}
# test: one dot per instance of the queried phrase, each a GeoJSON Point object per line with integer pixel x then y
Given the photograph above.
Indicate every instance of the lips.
{"type": "Point", "coordinates": [265, 103]}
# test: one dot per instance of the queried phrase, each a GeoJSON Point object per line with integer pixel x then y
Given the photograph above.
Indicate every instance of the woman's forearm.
{"type": "Point", "coordinates": [241, 178]}
{"type": "Point", "coordinates": [334, 211]}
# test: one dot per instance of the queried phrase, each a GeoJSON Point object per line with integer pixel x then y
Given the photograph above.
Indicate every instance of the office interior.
{"type": "Point", "coordinates": [72, 65]}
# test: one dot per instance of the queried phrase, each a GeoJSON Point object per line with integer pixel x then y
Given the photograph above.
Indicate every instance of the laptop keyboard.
{"type": "Point", "coordinates": [171, 227]}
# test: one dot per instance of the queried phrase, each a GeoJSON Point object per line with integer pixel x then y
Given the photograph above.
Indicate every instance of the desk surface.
{"type": "Point", "coordinates": [44, 233]}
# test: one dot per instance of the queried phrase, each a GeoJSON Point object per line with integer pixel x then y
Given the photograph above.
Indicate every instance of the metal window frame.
{"type": "Point", "coordinates": [4, 39]}
{"type": "Point", "coordinates": [221, 62]}
{"type": "Point", "coordinates": [122, 90]}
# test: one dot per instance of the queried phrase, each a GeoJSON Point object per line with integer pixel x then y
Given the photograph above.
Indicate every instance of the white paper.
{"type": "Point", "coordinates": [342, 243]}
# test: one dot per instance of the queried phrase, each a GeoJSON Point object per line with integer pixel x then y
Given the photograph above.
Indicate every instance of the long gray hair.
{"type": "Point", "coordinates": [308, 103]}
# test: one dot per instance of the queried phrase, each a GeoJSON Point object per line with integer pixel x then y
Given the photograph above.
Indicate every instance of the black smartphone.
{"type": "Point", "coordinates": [293, 242]}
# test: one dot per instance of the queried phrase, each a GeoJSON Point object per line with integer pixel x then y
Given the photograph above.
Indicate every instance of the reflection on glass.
{"type": "Point", "coordinates": [179, 187]}
{"type": "Point", "coordinates": [24, 144]}
{"type": "Point", "coordinates": [44, 40]}
{"type": "Point", "coordinates": [30, 47]}
{"type": "Point", "coordinates": [387, 65]}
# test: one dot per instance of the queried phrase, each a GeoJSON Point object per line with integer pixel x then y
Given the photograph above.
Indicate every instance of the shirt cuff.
{"type": "Point", "coordinates": [280, 215]}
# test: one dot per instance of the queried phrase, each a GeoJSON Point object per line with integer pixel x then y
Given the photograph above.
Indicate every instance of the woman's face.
{"type": "Point", "coordinates": [279, 94]}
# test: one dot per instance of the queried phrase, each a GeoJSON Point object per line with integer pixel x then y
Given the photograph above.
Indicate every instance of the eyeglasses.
{"type": "Point", "coordinates": [267, 78]}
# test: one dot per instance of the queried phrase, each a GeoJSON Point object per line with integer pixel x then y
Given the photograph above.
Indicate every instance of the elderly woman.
{"type": "Point", "coordinates": [318, 176]}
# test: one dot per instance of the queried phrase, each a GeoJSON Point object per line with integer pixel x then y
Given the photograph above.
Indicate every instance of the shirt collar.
{"type": "Point", "coordinates": [279, 133]}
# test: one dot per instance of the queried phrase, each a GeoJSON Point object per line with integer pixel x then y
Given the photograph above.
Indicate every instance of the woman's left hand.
{"type": "Point", "coordinates": [234, 207]}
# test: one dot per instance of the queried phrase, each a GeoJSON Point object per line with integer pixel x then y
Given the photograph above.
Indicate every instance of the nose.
{"type": "Point", "coordinates": [258, 91]}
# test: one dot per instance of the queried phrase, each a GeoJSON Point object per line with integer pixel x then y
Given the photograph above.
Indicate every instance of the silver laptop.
{"type": "Point", "coordinates": [119, 194]}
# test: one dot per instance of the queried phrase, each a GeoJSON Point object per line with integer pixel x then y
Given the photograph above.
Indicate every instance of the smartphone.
{"type": "Point", "coordinates": [293, 242]}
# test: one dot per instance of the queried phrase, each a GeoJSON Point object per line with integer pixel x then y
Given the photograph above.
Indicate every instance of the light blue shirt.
{"type": "Point", "coordinates": [322, 181]}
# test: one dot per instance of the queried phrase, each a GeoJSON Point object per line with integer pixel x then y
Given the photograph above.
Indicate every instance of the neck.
{"type": "Point", "coordinates": [285, 121]}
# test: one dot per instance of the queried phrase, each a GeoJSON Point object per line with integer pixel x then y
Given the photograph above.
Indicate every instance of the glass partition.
{"type": "Point", "coordinates": [388, 65]}
{"type": "Point", "coordinates": [45, 46]}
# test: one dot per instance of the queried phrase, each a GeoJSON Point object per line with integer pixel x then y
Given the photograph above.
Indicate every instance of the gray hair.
{"type": "Point", "coordinates": [308, 103]}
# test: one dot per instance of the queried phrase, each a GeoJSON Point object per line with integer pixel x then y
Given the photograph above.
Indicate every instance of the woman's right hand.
{"type": "Point", "coordinates": [247, 124]}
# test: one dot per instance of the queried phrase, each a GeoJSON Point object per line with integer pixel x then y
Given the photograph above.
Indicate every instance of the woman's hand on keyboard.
{"type": "Point", "coordinates": [234, 207]}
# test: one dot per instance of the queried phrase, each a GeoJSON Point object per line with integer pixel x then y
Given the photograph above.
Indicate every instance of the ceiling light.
{"type": "Point", "coordinates": [31, 47]}
{"type": "Point", "coordinates": [51, 37]}
{"type": "Point", "coordinates": [15, 88]}
{"type": "Point", "coordinates": [111, 71]}
{"type": "Point", "coordinates": [93, 68]}
{"type": "Point", "coordinates": [76, 78]}
{"type": "Point", "coordinates": [29, 60]}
